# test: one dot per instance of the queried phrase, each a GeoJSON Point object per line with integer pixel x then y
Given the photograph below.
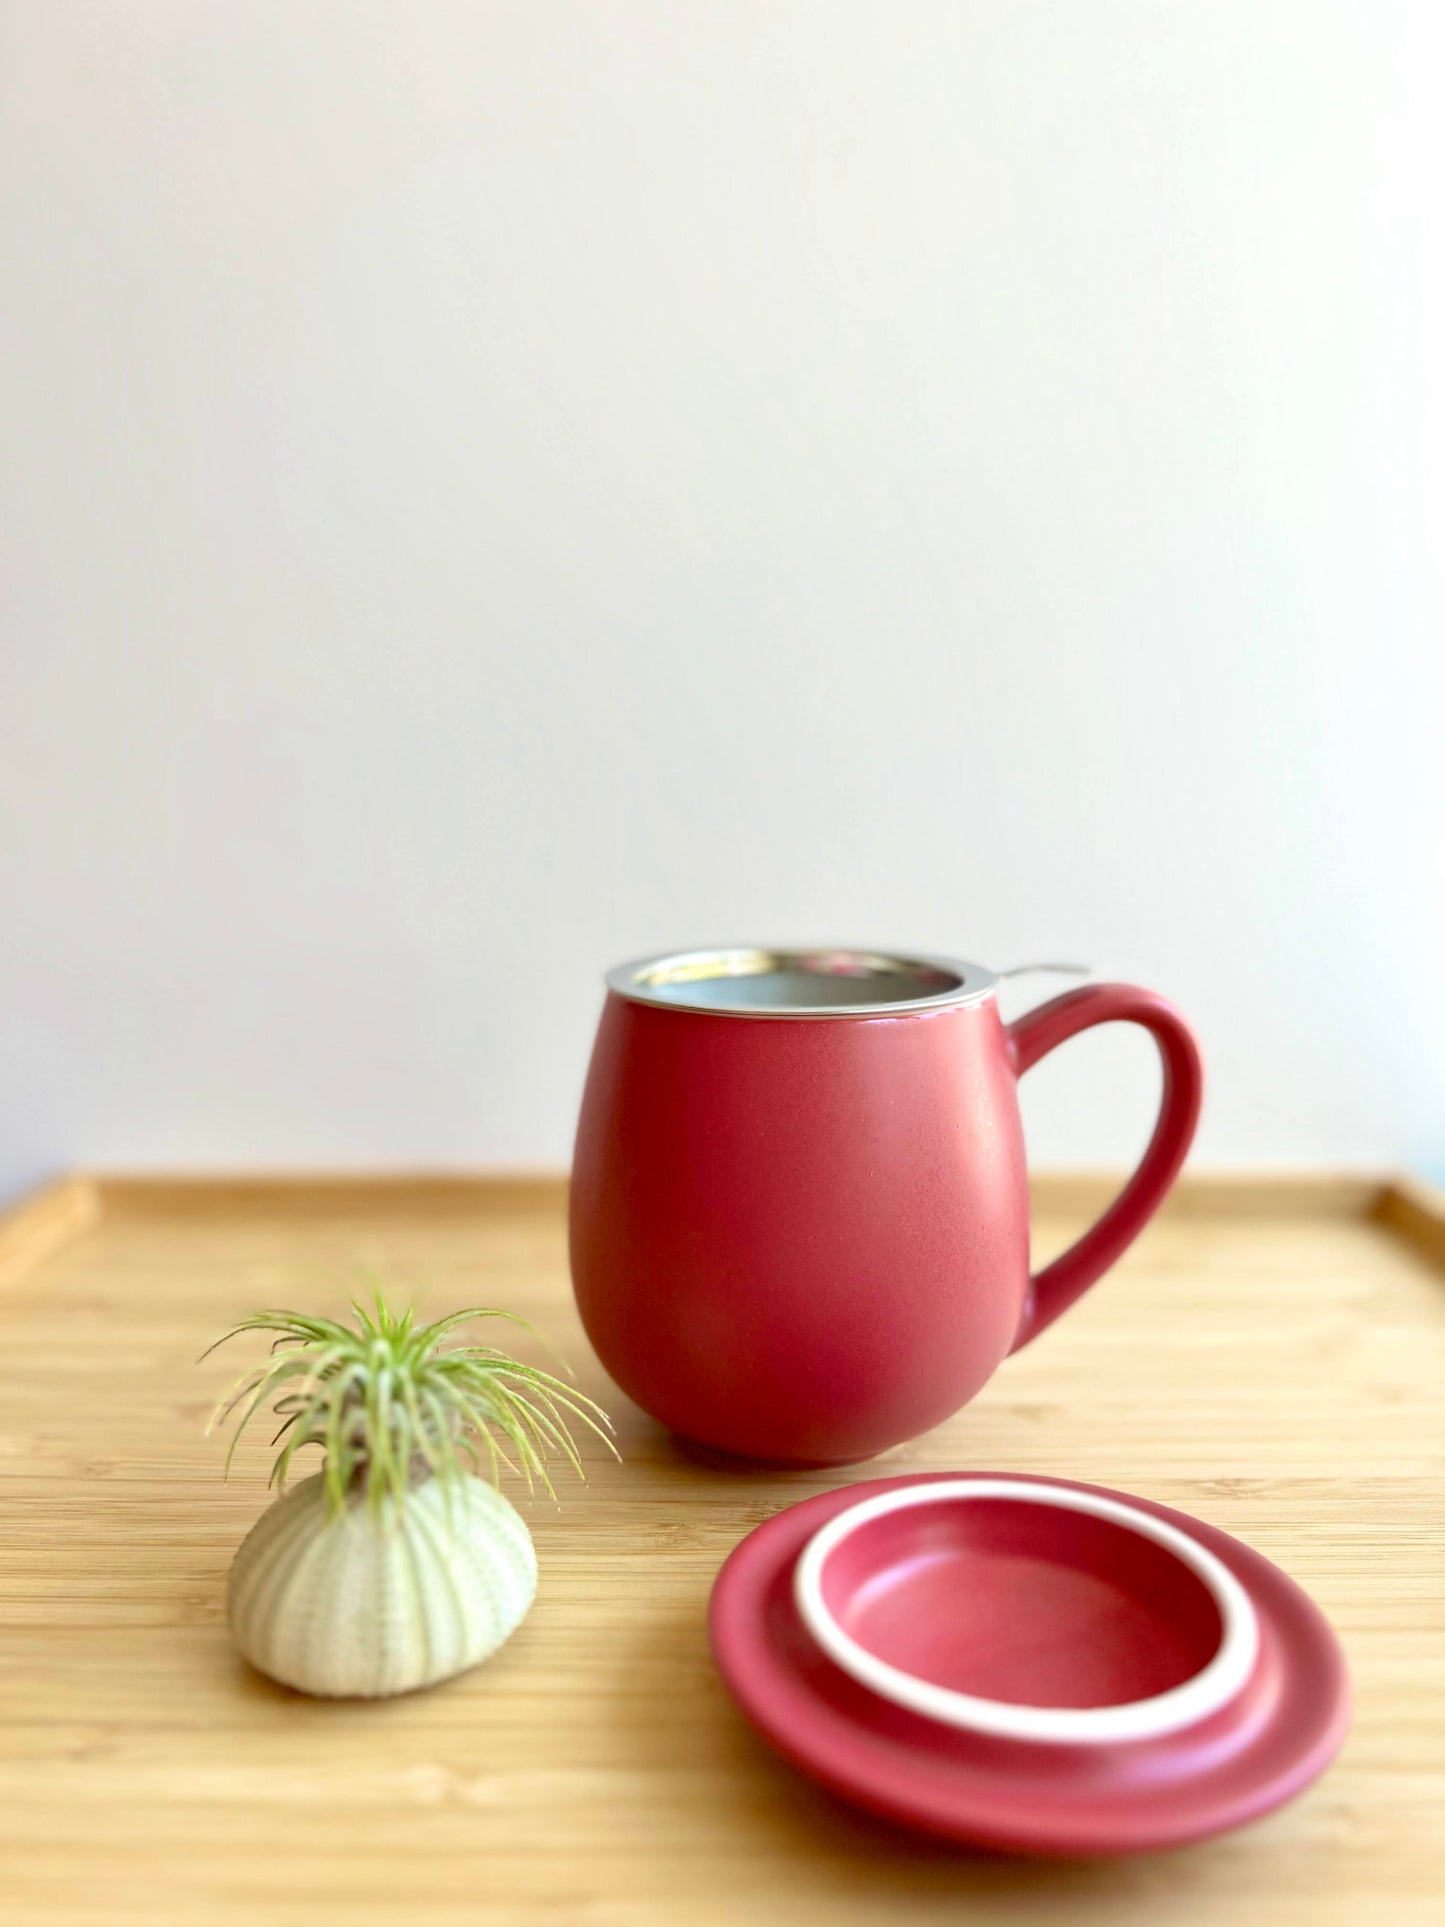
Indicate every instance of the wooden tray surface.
{"type": "Point", "coordinates": [1271, 1357]}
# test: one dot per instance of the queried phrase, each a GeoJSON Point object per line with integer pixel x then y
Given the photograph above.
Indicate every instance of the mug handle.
{"type": "Point", "coordinates": [1033, 1036]}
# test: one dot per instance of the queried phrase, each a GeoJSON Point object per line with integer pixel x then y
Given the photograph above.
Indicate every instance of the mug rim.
{"type": "Point", "coordinates": [647, 980]}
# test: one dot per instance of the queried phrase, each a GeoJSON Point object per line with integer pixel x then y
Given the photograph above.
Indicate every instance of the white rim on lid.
{"type": "Point", "coordinates": [1194, 1699]}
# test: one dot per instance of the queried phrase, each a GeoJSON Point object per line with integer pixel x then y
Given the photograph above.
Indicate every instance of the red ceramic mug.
{"type": "Point", "coordinates": [799, 1209]}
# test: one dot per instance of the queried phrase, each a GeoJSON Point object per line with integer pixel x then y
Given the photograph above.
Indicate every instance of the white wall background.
{"type": "Point", "coordinates": [486, 490]}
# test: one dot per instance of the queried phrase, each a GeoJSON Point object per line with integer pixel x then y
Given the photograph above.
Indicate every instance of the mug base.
{"type": "Point", "coordinates": [716, 1459]}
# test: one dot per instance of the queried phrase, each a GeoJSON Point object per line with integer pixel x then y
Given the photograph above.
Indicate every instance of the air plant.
{"type": "Point", "coordinates": [398, 1564]}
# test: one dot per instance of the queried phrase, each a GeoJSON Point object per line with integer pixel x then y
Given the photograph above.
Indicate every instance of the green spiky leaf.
{"type": "Point", "coordinates": [389, 1401]}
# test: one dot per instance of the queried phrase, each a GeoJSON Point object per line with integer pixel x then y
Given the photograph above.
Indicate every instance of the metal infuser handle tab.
{"type": "Point", "coordinates": [1055, 969]}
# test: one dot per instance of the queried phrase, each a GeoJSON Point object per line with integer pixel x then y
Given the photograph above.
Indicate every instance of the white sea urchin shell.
{"type": "Point", "coordinates": [378, 1600]}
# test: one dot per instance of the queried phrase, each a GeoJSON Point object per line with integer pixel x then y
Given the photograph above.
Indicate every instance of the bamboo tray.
{"type": "Point", "coordinates": [1271, 1357]}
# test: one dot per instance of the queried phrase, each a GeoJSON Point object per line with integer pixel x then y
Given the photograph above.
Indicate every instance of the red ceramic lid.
{"type": "Point", "coordinates": [1028, 1664]}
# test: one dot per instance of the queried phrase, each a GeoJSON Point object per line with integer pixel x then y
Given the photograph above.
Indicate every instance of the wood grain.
{"type": "Point", "coordinates": [1415, 1211]}
{"type": "Point", "coordinates": [45, 1222]}
{"type": "Point", "coordinates": [77, 1200]}
{"type": "Point", "coordinates": [1277, 1373]}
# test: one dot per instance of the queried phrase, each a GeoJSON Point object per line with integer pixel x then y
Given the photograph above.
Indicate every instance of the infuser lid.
{"type": "Point", "coordinates": [1029, 1664]}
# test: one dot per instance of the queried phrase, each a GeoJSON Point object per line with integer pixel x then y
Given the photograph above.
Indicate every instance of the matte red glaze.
{"type": "Point", "coordinates": [806, 1239]}
{"type": "Point", "coordinates": [1025, 1603]}
{"type": "Point", "coordinates": [1282, 1730]}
